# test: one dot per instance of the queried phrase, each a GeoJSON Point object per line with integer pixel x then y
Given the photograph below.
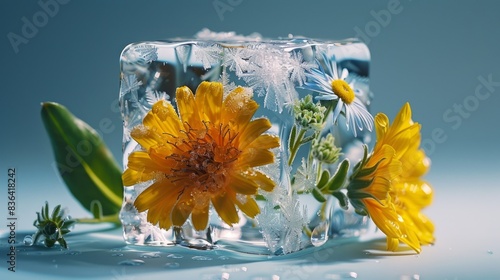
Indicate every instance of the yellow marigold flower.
{"type": "Point", "coordinates": [387, 184]}
{"type": "Point", "coordinates": [204, 154]}
{"type": "Point", "coordinates": [410, 193]}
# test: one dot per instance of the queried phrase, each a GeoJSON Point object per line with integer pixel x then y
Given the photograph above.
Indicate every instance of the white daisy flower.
{"type": "Point", "coordinates": [332, 86]}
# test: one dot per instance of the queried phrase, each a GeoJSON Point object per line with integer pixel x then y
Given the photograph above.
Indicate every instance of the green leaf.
{"type": "Point", "coordinates": [369, 171]}
{"type": "Point", "coordinates": [342, 198]}
{"type": "Point", "coordinates": [318, 195]}
{"type": "Point", "coordinates": [96, 209]}
{"type": "Point", "coordinates": [360, 184]}
{"type": "Point", "coordinates": [325, 175]}
{"type": "Point", "coordinates": [337, 181]}
{"type": "Point", "coordinates": [55, 212]}
{"type": "Point", "coordinates": [83, 160]}
{"type": "Point", "coordinates": [291, 141]}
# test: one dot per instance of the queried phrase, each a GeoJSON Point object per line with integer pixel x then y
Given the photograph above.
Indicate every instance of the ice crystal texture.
{"type": "Point", "coordinates": [275, 71]}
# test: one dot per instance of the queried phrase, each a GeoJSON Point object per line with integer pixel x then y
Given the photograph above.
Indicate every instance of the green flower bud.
{"type": "Point", "coordinates": [309, 115]}
{"type": "Point", "coordinates": [325, 150]}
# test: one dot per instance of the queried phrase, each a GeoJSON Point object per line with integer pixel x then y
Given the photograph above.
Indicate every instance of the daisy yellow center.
{"type": "Point", "coordinates": [343, 90]}
{"type": "Point", "coordinates": [203, 160]}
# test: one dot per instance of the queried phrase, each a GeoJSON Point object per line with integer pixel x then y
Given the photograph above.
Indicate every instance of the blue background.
{"type": "Point", "coordinates": [430, 53]}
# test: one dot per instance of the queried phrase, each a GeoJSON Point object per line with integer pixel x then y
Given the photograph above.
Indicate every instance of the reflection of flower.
{"type": "Point", "coordinates": [332, 86]}
{"type": "Point", "coordinates": [387, 185]}
{"type": "Point", "coordinates": [203, 155]}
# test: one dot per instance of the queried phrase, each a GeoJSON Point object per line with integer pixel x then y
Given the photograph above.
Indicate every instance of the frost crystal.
{"type": "Point", "coordinates": [150, 231]}
{"type": "Point", "coordinates": [305, 177]}
{"type": "Point", "coordinates": [146, 52]}
{"type": "Point", "coordinates": [154, 96]}
{"type": "Point", "coordinates": [298, 68]}
{"type": "Point", "coordinates": [129, 84]}
{"type": "Point", "coordinates": [282, 221]}
{"type": "Point", "coordinates": [208, 54]}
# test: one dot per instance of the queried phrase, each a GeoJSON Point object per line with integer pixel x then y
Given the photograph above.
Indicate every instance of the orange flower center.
{"type": "Point", "coordinates": [203, 158]}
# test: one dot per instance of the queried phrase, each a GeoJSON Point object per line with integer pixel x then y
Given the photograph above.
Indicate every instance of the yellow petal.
{"type": "Point", "coordinates": [385, 217]}
{"type": "Point", "coordinates": [249, 207]}
{"type": "Point", "coordinates": [253, 157]}
{"type": "Point", "coordinates": [403, 118]}
{"type": "Point", "coordinates": [242, 184]}
{"type": "Point", "coordinates": [392, 244]}
{"type": "Point", "coordinates": [254, 129]}
{"type": "Point", "coordinates": [146, 137]}
{"type": "Point", "coordinates": [265, 141]}
{"type": "Point", "coordinates": [416, 193]}
{"type": "Point", "coordinates": [208, 99]}
{"type": "Point", "coordinates": [131, 177]}
{"type": "Point", "coordinates": [381, 125]}
{"type": "Point", "coordinates": [140, 161]}
{"type": "Point", "coordinates": [262, 180]}
{"type": "Point", "coordinates": [158, 193]}
{"type": "Point", "coordinates": [163, 117]}
{"type": "Point", "coordinates": [182, 210]}
{"type": "Point", "coordinates": [188, 110]}
{"type": "Point", "coordinates": [199, 217]}
{"type": "Point", "coordinates": [238, 108]}
{"type": "Point", "coordinates": [225, 208]}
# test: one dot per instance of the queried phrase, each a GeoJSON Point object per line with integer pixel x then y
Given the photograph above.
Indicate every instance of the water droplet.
{"type": "Point", "coordinates": [224, 258]}
{"type": "Point", "coordinates": [490, 252]}
{"type": "Point", "coordinates": [151, 255]}
{"type": "Point", "coordinates": [276, 277]}
{"type": "Point", "coordinates": [131, 262]}
{"type": "Point", "coordinates": [201, 258]}
{"type": "Point", "coordinates": [28, 240]}
{"type": "Point", "coordinates": [225, 276]}
{"type": "Point", "coordinates": [116, 250]}
{"type": "Point", "coordinates": [352, 275]}
{"type": "Point", "coordinates": [408, 277]}
{"type": "Point", "coordinates": [73, 253]}
{"type": "Point", "coordinates": [174, 256]}
{"type": "Point", "coordinates": [319, 235]}
{"type": "Point", "coordinates": [172, 265]}
{"type": "Point", "coordinates": [197, 243]}
{"type": "Point", "coordinates": [117, 255]}
{"type": "Point", "coordinates": [243, 268]}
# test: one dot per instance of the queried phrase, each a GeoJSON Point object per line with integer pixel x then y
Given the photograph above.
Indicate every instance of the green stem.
{"type": "Point", "coordinates": [296, 145]}
{"type": "Point", "coordinates": [104, 219]}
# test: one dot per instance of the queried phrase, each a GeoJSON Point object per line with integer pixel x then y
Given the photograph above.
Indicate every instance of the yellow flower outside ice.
{"type": "Point", "coordinates": [394, 193]}
{"type": "Point", "coordinates": [410, 193]}
{"type": "Point", "coordinates": [204, 154]}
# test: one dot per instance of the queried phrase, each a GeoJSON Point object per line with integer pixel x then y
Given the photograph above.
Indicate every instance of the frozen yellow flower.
{"type": "Point", "coordinates": [204, 154]}
{"type": "Point", "coordinates": [387, 185]}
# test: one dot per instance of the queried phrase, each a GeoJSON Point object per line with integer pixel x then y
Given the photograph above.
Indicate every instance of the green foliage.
{"type": "Point", "coordinates": [84, 162]}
